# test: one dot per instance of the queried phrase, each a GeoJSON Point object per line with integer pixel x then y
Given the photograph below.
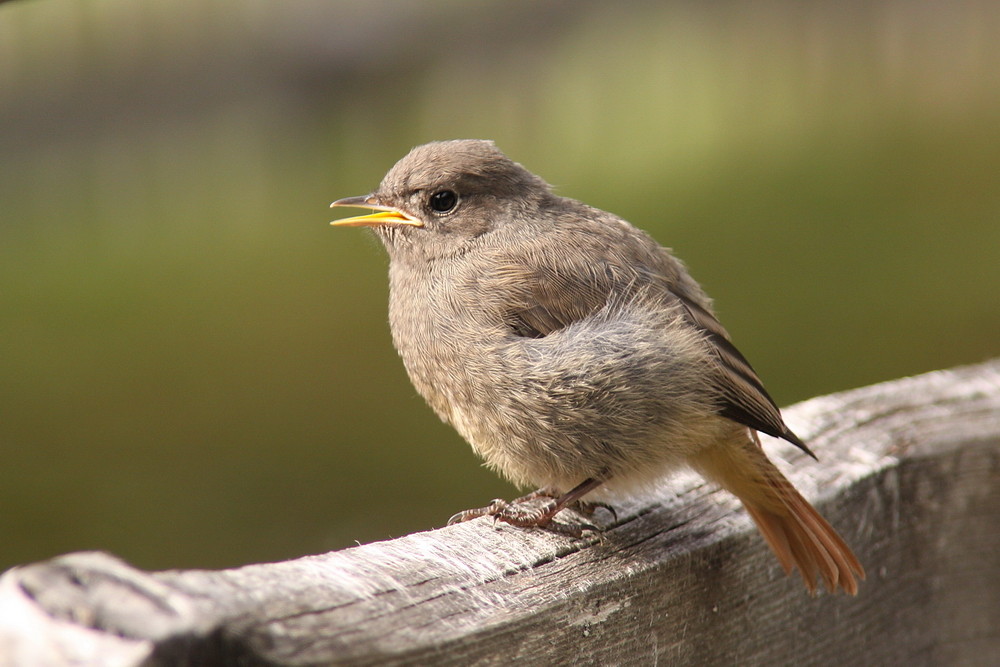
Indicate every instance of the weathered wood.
{"type": "Point", "coordinates": [909, 474]}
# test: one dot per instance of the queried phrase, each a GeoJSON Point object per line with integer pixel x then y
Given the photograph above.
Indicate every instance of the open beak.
{"type": "Point", "coordinates": [384, 215]}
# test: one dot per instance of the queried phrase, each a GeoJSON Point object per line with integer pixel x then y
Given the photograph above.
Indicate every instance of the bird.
{"type": "Point", "coordinates": [574, 353]}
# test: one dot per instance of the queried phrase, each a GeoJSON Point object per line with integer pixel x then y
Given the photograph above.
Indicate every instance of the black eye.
{"type": "Point", "coordinates": [443, 201]}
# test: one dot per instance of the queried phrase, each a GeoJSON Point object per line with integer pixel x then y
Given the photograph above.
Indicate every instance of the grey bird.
{"type": "Point", "coordinates": [573, 352]}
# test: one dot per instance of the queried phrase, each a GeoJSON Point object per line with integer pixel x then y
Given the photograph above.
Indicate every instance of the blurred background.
{"type": "Point", "coordinates": [196, 370]}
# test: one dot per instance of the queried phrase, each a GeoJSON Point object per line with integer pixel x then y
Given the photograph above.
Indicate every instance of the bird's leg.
{"type": "Point", "coordinates": [584, 507]}
{"type": "Point", "coordinates": [516, 514]}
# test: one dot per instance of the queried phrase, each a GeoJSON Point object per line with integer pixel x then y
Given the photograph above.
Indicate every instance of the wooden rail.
{"type": "Point", "coordinates": [909, 473]}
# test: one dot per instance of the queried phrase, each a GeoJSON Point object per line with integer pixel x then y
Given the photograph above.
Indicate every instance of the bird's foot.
{"type": "Point", "coordinates": [585, 507]}
{"type": "Point", "coordinates": [525, 517]}
{"type": "Point", "coordinates": [525, 512]}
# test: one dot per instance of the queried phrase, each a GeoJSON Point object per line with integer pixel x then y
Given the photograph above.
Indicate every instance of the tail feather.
{"type": "Point", "coordinates": [803, 539]}
{"type": "Point", "coordinates": [795, 531]}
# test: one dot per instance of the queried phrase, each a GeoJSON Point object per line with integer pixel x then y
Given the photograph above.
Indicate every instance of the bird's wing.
{"type": "Point", "coordinates": [744, 398]}
{"type": "Point", "coordinates": [551, 298]}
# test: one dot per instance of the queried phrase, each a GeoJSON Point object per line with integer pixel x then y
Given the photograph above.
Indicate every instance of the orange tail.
{"type": "Point", "coordinates": [793, 528]}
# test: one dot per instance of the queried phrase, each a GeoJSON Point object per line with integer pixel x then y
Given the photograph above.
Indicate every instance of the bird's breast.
{"type": "Point", "coordinates": [438, 335]}
{"type": "Point", "coordinates": [620, 386]}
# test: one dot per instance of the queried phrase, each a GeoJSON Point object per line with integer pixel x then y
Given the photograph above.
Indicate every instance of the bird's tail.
{"type": "Point", "coordinates": [794, 530]}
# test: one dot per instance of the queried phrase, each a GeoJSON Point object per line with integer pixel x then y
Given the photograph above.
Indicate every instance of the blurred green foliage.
{"type": "Point", "coordinates": [195, 371]}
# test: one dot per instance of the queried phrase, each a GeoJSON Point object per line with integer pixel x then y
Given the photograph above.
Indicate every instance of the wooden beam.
{"type": "Point", "coordinates": [909, 473]}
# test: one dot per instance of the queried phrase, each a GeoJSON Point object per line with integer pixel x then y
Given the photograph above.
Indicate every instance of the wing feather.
{"type": "Point", "coordinates": [550, 299]}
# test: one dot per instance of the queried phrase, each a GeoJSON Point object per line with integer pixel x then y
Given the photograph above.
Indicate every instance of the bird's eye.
{"type": "Point", "coordinates": [443, 201]}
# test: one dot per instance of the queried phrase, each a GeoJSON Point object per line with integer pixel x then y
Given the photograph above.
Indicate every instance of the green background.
{"type": "Point", "coordinates": [196, 371]}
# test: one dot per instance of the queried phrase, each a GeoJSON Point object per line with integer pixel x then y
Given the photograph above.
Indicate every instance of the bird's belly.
{"type": "Point", "coordinates": [601, 401]}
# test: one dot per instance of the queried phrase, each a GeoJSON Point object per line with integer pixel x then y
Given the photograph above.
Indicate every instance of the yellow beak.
{"type": "Point", "coordinates": [384, 215]}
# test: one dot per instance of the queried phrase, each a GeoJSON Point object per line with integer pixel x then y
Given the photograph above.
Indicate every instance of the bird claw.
{"type": "Point", "coordinates": [516, 513]}
{"type": "Point", "coordinates": [468, 515]}
{"type": "Point", "coordinates": [589, 507]}
{"type": "Point", "coordinates": [585, 507]}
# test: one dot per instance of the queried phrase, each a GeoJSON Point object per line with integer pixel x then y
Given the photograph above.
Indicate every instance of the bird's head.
{"type": "Point", "coordinates": [442, 196]}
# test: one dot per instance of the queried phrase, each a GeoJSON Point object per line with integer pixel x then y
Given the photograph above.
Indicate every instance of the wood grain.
{"type": "Point", "coordinates": [908, 473]}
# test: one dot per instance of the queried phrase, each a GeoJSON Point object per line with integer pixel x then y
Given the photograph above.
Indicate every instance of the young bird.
{"type": "Point", "coordinates": [573, 352]}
